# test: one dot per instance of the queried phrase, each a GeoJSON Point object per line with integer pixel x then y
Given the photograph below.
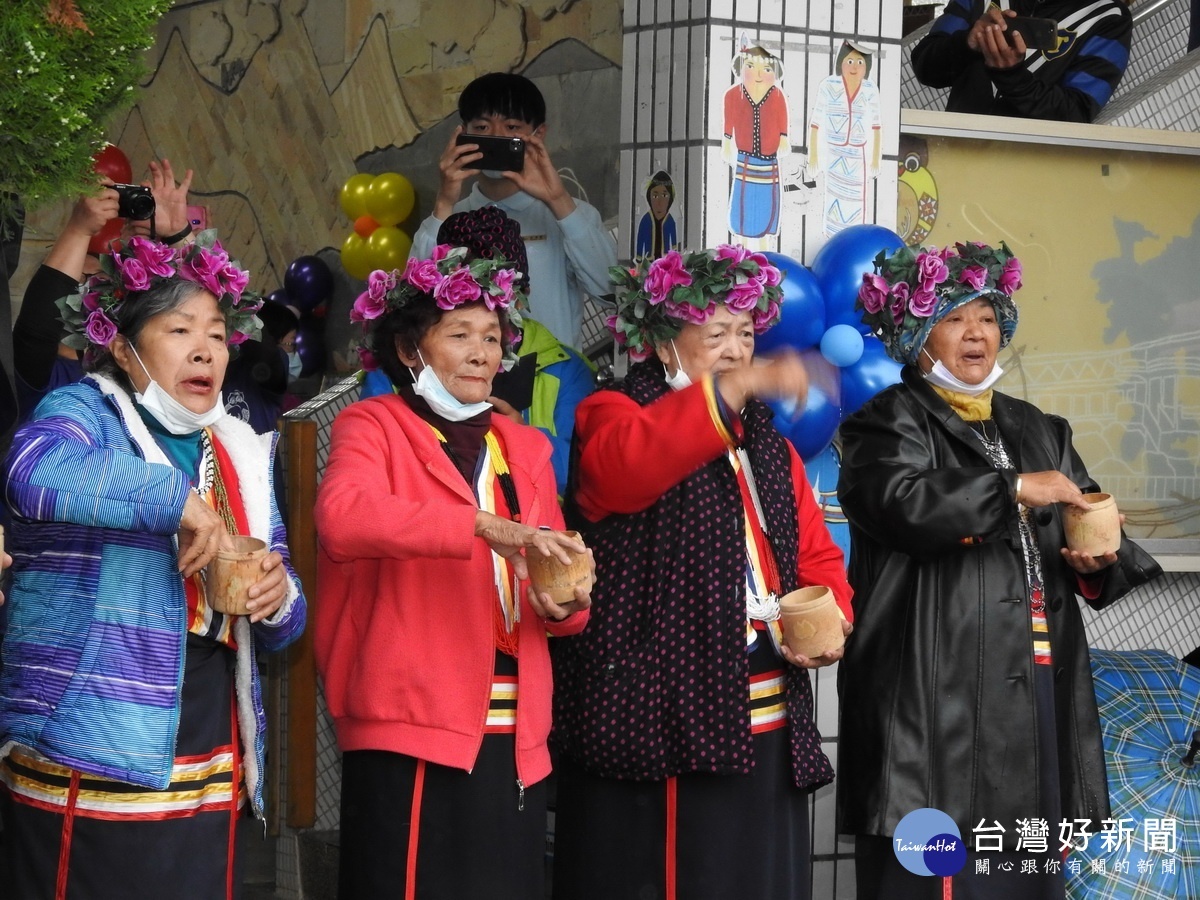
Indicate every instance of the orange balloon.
{"type": "Point", "coordinates": [355, 258]}
{"type": "Point", "coordinates": [388, 247]}
{"type": "Point", "coordinates": [364, 225]}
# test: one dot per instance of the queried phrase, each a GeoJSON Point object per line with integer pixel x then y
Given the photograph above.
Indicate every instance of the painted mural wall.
{"type": "Point", "coordinates": [276, 103]}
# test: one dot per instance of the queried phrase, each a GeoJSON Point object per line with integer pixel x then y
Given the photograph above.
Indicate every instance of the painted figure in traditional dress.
{"type": "Point", "coordinates": [755, 136]}
{"type": "Point", "coordinates": [656, 230]}
{"type": "Point", "coordinates": [843, 137]}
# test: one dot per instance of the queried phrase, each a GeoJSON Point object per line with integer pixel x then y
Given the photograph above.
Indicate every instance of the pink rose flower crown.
{"type": "Point", "coordinates": [656, 297]}
{"type": "Point", "coordinates": [91, 317]}
{"type": "Point", "coordinates": [912, 290]}
{"type": "Point", "coordinates": [449, 280]}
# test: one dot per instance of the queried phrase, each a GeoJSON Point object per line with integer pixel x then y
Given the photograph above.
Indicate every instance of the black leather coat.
{"type": "Point", "coordinates": [937, 705]}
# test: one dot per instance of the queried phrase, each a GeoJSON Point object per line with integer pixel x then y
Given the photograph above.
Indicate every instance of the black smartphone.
{"type": "Point", "coordinates": [515, 387]}
{"type": "Point", "coordinates": [505, 154]}
{"type": "Point", "coordinates": [1039, 34]}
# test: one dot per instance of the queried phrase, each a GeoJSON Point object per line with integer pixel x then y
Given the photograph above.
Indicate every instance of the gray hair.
{"type": "Point", "coordinates": [166, 296]}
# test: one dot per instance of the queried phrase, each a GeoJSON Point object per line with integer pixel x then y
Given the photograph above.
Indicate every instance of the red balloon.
{"type": "Point", "coordinates": [101, 239]}
{"type": "Point", "coordinates": [110, 160]}
{"type": "Point", "coordinates": [364, 225]}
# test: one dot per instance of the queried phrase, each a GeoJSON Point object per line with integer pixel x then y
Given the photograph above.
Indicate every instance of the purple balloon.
{"type": "Point", "coordinates": [874, 371]}
{"type": "Point", "coordinates": [307, 282]}
{"type": "Point", "coordinates": [813, 429]}
{"type": "Point", "coordinates": [840, 265]}
{"type": "Point", "coordinates": [803, 320]}
{"type": "Point", "coordinates": [280, 296]}
{"type": "Point", "coordinates": [310, 344]}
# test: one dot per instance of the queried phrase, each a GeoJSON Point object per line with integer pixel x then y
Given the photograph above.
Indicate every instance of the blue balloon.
{"type": "Point", "coordinates": [310, 344]}
{"type": "Point", "coordinates": [813, 429]}
{"type": "Point", "coordinates": [874, 371]}
{"type": "Point", "coordinates": [307, 281]}
{"type": "Point", "coordinates": [803, 320]}
{"type": "Point", "coordinates": [840, 265]}
{"type": "Point", "coordinates": [842, 345]}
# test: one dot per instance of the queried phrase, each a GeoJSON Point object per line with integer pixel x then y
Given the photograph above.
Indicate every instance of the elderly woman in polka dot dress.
{"type": "Point", "coordinates": [684, 725]}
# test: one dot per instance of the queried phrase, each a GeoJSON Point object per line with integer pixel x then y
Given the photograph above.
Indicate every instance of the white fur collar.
{"type": "Point", "coordinates": [249, 452]}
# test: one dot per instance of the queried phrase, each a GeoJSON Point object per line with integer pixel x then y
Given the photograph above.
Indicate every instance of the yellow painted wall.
{"type": "Point", "coordinates": [1109, 335]}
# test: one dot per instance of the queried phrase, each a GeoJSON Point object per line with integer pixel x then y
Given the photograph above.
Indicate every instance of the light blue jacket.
{"type": "Point", "coordinates": [94, 653]}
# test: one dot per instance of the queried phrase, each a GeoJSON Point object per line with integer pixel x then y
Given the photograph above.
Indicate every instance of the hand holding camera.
{"type": "Point", "coordinates": [134, 201]}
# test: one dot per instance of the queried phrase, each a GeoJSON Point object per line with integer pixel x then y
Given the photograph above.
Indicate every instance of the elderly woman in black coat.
{"type": "Point", "coordinates": [966, 685]}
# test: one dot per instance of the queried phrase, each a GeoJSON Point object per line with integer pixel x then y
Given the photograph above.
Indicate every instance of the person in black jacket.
{"type": "Point", "coordinates": [966, 685]}
{"type": "Point", "coordinates": [41, 362]}
{"type": "Point", "coordinates": [972, 50]}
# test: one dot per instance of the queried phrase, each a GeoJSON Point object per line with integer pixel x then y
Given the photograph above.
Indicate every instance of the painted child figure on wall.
{"type": "Point", "coordinates": [656, 230]}
{"type": "Point", "coordinates": [844, 139]}
{"type": "Point", "coordinates": [755, 137]}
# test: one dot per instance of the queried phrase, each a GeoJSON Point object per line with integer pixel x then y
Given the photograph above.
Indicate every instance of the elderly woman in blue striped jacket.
{"type": "Point", "coordinates": [131, 720]}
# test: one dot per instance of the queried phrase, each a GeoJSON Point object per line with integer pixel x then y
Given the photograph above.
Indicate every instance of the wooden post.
{"type": "Point", "coordinates": [301, 437]}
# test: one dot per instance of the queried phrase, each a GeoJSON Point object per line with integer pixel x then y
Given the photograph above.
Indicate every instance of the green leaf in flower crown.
{"type": "Point", "coordinates": [206, 238]}
{"type": "Point", "coordinates": [74, 341]}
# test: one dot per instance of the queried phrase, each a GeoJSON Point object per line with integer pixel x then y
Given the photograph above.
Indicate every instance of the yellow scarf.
{"type": "Point", "coordinates": [969, 409]}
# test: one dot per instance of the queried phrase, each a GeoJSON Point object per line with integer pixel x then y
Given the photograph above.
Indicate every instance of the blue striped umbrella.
{"type": "Point", "coordinates": [1149, 705]}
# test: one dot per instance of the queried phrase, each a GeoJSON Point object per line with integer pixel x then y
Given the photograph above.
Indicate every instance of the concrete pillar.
{"type": "Point", "coordinates": [677, 68]}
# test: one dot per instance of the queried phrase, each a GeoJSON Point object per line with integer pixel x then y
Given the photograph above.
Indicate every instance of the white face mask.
{"type": "Point", "coordinates": [295, 364]}
{"type": "Point", "coordinates": [944, 378]}
{"type": "Point", "coordinates": [492, 173]}
{"type": "Point", "coordinates": [169, 412]}
{"type": "Point", "coordinates": [679, 380]}
{"type": "Point", "coordinates": [429, 387]}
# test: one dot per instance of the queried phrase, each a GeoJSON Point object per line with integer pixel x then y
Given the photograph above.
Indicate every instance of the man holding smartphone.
{"type": "Point", "coordinates": [569, 251]}
{"type": "Point", "coordinates": [1036, 59]}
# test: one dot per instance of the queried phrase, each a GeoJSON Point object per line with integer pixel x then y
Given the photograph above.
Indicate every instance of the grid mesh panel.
{"type": "Point", "coordinates": [322, 409]}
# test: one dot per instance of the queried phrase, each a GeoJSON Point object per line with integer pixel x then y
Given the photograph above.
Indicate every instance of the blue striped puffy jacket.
{"type": "Point", "coordinates": [93, 655]}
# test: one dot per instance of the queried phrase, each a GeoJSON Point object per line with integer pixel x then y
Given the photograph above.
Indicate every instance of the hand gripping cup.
{"type": "Point", "coordinates": [1096, 531]}
{"type": "Point", "coordinates": [550, 576]}
{"type": "Point", "coordinates": [232, 573]}
{"type": "Point", "coordinates": [811, 621]}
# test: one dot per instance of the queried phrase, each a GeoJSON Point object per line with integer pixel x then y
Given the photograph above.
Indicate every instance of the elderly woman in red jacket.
{"type": "Point", "coordinates": [685, 724]}
{"type": "Point", "coordinates": [432, 646]}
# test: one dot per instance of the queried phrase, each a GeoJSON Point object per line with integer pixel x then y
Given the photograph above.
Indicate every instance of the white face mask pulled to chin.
{"type": "Point", "coordinates": [429, 387]}
{"type": "Point", "coordinates": [169, 412]}
{"type": "Point", "coordinates": [947, 380]}
{"type": "Point", "coordinates": [680, 379]}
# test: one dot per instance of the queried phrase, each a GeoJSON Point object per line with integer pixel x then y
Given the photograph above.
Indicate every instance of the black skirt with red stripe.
{"type": "Point", "coordinates": [692, 837]}
{"type": "Point", "coordinates": [130, 854]}
{"type": "Point", "coordinates": [415, 830]}
{"type": "Point", "coordinates": [880, 876]}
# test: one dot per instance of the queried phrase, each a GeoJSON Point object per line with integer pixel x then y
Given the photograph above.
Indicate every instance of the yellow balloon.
{"type": "Point", "coordinates": [356, 259]}
{"type": "Point", "coordinates": [387, 248]}
{"type": "Point", "coordinates": [354, 195]}
{"type": "Point", "coordinates": [390, 198]}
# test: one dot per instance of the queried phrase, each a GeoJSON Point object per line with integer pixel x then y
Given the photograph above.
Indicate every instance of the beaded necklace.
{"type": "Point", "coordinates": [211, 478]}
